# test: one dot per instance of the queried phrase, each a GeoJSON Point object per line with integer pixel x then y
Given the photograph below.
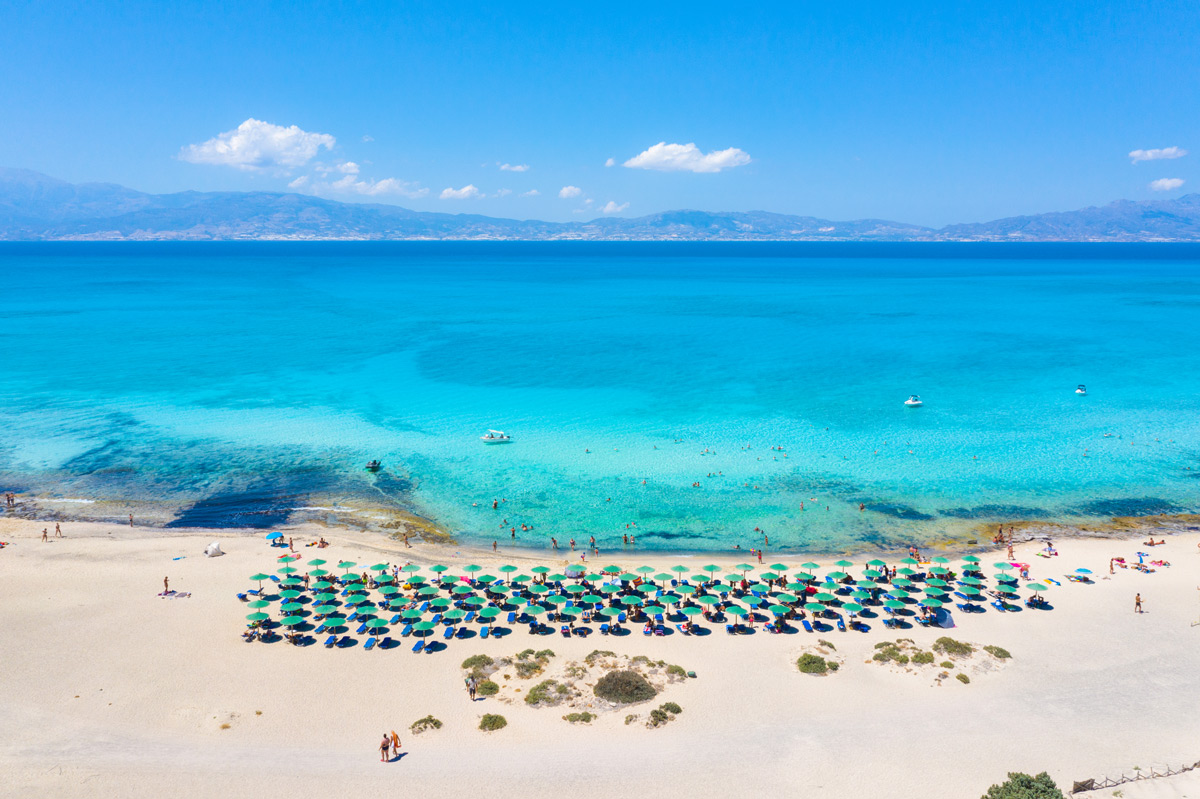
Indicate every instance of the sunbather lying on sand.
{"type": "Point", "coordinates": [1153, 543]}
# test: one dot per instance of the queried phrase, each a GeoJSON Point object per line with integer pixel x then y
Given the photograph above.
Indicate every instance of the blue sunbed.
{"type": "Point", "coordinates": [449, 632]}
{"type": "Point", "coordinates": [386, 643]}
{"type": "Point", "coordinates": [470, 616]}
{"type": "Point", "coordinates": [407, 631]}
{"type": "Point", "coordinates": [485, 631]}
{"type": "Point", "coordinates": [512, 617]}
{"type": "Point", "coordinates": [419, 645]}
{"type": "Point", "coordinates": [807, 627]}
{"type": "Point", "coordinates": [604, 629]}
{"type": "Point", "coordinates": [841, 625]}
{"type": "Point", "coordinates": [370, 644]}
{"type": "Point", "coordinates": [330, 641]}
{"type": "Point", "coordinates": [362, 628]}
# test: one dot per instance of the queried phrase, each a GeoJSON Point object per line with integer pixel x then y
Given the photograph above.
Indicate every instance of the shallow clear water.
{"type": "Point", "coordinates": [233, 382]}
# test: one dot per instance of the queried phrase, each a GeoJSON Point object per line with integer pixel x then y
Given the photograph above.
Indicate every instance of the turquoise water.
{"type": "Point", "coordinates": [231, 384]}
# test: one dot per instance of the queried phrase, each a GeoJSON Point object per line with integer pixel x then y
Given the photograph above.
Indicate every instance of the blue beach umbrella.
{"type": "Point", "coordinates": [274, 536]}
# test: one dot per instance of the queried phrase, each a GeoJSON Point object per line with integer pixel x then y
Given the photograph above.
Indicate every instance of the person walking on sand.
{"type": "Point", "coordinates": [131, 520]}
{"type": "Point", "coordinates": [45, 534]}
{"type": "Point", "coordinates": [384, 747]}
{"type": "Point", "coordinates": [1137, 604]}
{"type": "Point", "coordinates": [493, 546]}
{"type": "Point", "coordinates": [166, 584]}
{"type": "Point", "coordinates": [58, 530]}
{"type": "Point", "coordinates": [395, 744]}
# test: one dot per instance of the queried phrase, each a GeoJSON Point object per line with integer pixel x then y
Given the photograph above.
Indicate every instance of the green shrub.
{"type": "Point", "coordinates": [823, 642]}
{"type": "Point", "coordinates": [922, 658]}
{"type": "Point", "coordinates": [527, 668]}
{"type": "Point", "coordinates": [946, 664]}
{"type": "Point", "coordinates": [948, 646]}
{"type": "Point", "coordinates": [597, 654]}
{"type": "Point", "coordinates": [640, 659]}
{"type": "Point", "coordinates": [525, 654]}
{"type": "Point", "coordinates": [997, 651]}
{"type": "Point", "coordinates": [631, 718]}
{"type": "Point", "coordinates": [547, 692]}
{"type": "Point", "coordinates": [809, 663]}
{"type": "Point", "coordinates": [580, 718]}
{"type": "Point", "coordinates": [491, 722]}
{"type": "Point", "coordinates": [658, 717]}
{"type": "Point", "coordinates": [544, 654]}
{"type": "Point", "coordinates": [671, 708]}
{"type": "Point", "coordinates": [576, 671]}
{"type": "Point", "coordinates": [477, 662]}
{"type": "Point", "coordinates": [487, 688]}
{"type": "Point", "coordinates": [676, 671]}
{"type": "Point", "coordinates": [428, 723]}
{"type": "Point", "coordinates": [1023, 786]}
{"type": "Point", "coordinates": [962, 678]}
{"type": "Point", "coordinates": [882, 644]}
{"type": "Point", "coordinates": [624, 687]}
{"type": "Point", "coordinates": [832, 665]}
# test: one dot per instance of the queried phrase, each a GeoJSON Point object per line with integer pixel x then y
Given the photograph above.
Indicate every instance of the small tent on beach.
{"type": "Point", "coordinates": [213, 550]}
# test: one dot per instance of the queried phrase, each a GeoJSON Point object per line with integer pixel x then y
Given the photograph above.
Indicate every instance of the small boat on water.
{"type": "Point", "coordinates": [374, 466]}
{"type": "Point", "coordinates": [1082, 389]}
{"type": "Point", "coordinates": [914, 401]}
{"type": "Point", "coordinates": [496, 437]}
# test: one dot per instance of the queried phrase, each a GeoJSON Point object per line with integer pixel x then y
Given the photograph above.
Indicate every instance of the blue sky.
{"type": "Point", "coordinates": [924, 112]}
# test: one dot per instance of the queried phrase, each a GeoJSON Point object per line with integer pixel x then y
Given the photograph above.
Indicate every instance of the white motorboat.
{"type": "Point", "coordinates": [914, 401]}
{"type": "Point", "coordinates": [1082, 389]}
{"type": "Point", "coordinates": [496, 437]}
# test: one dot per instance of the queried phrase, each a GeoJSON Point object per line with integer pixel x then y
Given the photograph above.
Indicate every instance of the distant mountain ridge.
{"type": "Point", "coordinates": [36, 207]}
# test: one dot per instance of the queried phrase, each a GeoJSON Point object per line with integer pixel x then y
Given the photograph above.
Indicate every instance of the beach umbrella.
{"type": "Point", "coordinates": [258, 603]}
{"type": "Point", "coordinates": [843, 564]}
{"type": "Point", "coordinates": [970, 581]}
{"type": "Point", "coordinates": [686, 589]}
{"type": "Point", "coordinates": [558, 599]}
{"type": "Point", "coordinates": [539, 589]}
{"type": "Point", "coordinates": [644, 569]}
{"type": "Point", "coordinates": [317, 562]}
{"type": "Point", "coordinates": [535, 610]}
{"type": "Point", "coordinates": [592, 599]}
{"type": "Point", "coordinates": [424, 626]}
{"type": "Point", "coordinates": [796, 586]}
{"type": "Point", "coordinates": [489, 613]}
{"type": "Point", "coordinates": [324, 610]}
{"type": "Point", "coordinates": [785, 597]}
{"type": "Point", "coordinates": [439, 569]}
{"type": "Point", "coordinates": [454, 614]}
{"type": "Point", "coordinates": [555, 578]}
{"type": "Point", "coordinates": [970, 590]}
{"type": "Point", "coordinates": [414, 579]}
{"type": "Point", "coordinates": [823, 597]}
{"type": "Point", "coordinates": [378, 567]}
{"type": "Point", "coordinates": [779, 610]}
{"type": "Point", "coordinates": [287, 570]}
{"type": "Point", "coordinates": [810, 566]}
{"type": "Point", "coordinates": [289, 593]}
{"type": "Point", "coordinates": [851, 607]}
{"type": "Point", "coordinates": [937, 582]}
{"type": "Point", "coordinates": [938, 570]}
{"type": "Point", "coordinates": [662, 577]}
{"type": "Point", "coordinates": [710, 568]}
{"type": "Point", "coordinates": [691, 610]}
{"type": "Point", "coordinates": [461, 589]}
{"type": "Point", "coordinates": [876, 562]}
{"type": "Point", "coordinates": [292, 606]}
{"type": "Point", "coordinates": [872, 574]}
{"type": "Point", "coordinates": [609, 588]}
{"type": "Point", "coordinates": [411, 613]}
{"type": "Point", "coordinates": [612, 570]}
{"type": "Point", "coordinates": [1002, 566]}
{"type": "Point", "coordinates": [737, 610]}
{"type": "Point", "coordinates": [292, 621]}
{"type": "Point", "coordinates": [520, 578]}
{"type": "Point", "coordinates": [375, 624]}
{"type": "Point", "coordinates": [258, 616]}
{"type": "Point", "coordinates": [428, 590]}
{"type": "Point", "coordinates": [388, 590]}
{"type": "Point", "coordinates": [653, 610]}
{"type": "Point", "coordinates": [274, 536]}
{"type": "Point", "coordinates": [486, 579]}
{"type": "Point", "coordinates": [669, 599]}
{"type": "Point", "coordinates": [836, 576]}
{"type": "Point", "coordinates": [814, 607]}
{"type": "Point", "coordinates": [910, 561]}
{"type": "Point", "coordinates": [630, 600]}
{"type": "Point", "coordinates": [574, 588]}
{"type": "Point", "coordinates": [318, 572]}
{"type": "Point", "coordinates": [508, 568]}
{"type": "Point", "coordinates": [258, 578]}
{"type": "Point", "coordinates": [472, 568]}
{"type": "Point", "coordinates": [540, 570]}
{"type": "Point", "coordinates": [396, 603]}
{"type": "Point", "coordinates": [681, 569]}
{"type": "Point", "coordinates": [1036, 586]}
{"type": "Point", "coordinates": [439, 602]}
{"type": "Point", "coordinates": [769, 576]}
{"type": "Point", "coordinates": [893, 604]}
{"type": "Point", "coordinates": [931, 603]}
{"type": "Point", "coordinates": [708, 599]}
{"type": "Point", "coordinates": [610, 612]}
{"type": "Point", "coordinates": [907, 572]}
{"type": "Point", "coordinates": [743, 567]}
{"type": "Point", "coordinates": [940, 560]}
{"type": "Point", "coordinates": [971, 559]}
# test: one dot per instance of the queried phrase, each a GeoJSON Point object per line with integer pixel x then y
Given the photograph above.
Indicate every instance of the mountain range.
{"type": "Point", "coordinates": [36, 207]}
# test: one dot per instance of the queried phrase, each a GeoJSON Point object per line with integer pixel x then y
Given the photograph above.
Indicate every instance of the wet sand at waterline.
{"type": "Point", "coordinates": [112, 691]}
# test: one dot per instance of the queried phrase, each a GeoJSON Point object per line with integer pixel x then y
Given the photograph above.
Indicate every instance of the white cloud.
{"type": "Point", "coordinates": [351, 184]}
{"type": "Point", "coordinates": [1157, 154]}
{"type": "Point", "coordinates": [567, 192]}
{"type": "Point", "coordinates": [465, 193]}
{"type": "Point", "coordinates": [611, 162]}
{"type": "Point", "coordinates": [299, 182]}
{"type": "Point", "coordinates": [504, 192]}
{"type": "Point", "coordinates": [514, 167]}
{"type": "Point", "coordinates": [612, 208]}
{"type": "Point", "coordinates": [531, 193]}
{"type": "Point", "coordinates": [1166, 184]}
{"type": "Point", "coordinates": [687, 158]}
{"type": "Point", "coordinates": [367, 138]}
{"type": "Point", "coordinates": [348, 168]}
{"type": "Point", "coordinates": [257, 146]}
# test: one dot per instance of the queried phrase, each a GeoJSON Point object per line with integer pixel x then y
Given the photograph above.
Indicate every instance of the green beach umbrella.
{"type": "Point", "coordinates": [410, 568]}
{"type": "Point", "coordinates": [535, 610]}
{"type": "Point", "coordinates": [388, 590]}
{"type": "Point", "coordinates": [347, 564]}
{"type": "Point", "coordinates": [486, 579]}
{"type": "Point", "coordinates": [608, 588]}
{"type": "Point", "coordinates": [1003, 566]}
{"type": "Point", "coordinates": [843, 564]}
{"type": "Point", "coordinates": [540, 570]}
{"type": "Point", "coordinates": [439, 569]}
{"type": "Point", "coordinates": [324, 610]}
{"type": "Point", "coordinates": [784, 597]}
{"type": "Point", "coordinates": [521, 578]}
{"type": "Point", "coordinates": [539, 589]}
{"type": "Point", "coordinates": [612, 570]}
{"type": "Point", "coordinates": [737, 610]}
{"type": "Point", "coordinates": [575, 588]}
{"type": "Point", "coordinates": [378, 567]}
{"type": "Point", "coordinates": [323, 585]}
{"type": "Point", "coordinates": [292, 621]}
{"type": "Point", "coordinates": [411, 613]}
{"type": "Point", "coordinates": [429, 590]}
{"type": "Point", "coordinates": [743, 567]}
{"type": "Point", "coordinates": [439, 602]}
{"type": "Point", "coordinates": [796, 586]}
{"type": "Point", "coordinates": [375, 624]}
{"type": "Point", "coordinates": [691, 610]}
{"type": "Point", "coordinates": [558, 599]}
{"type": "Point", "coordinates": [851, 607]}
{"type": "Point", "coordinates": [907, 572]}
{"type": "Point", "coordinates": [662, 577]}
{"type": "Point", "coordinates": [454, 614]}
{"type": "Point", "coordinates": [937, 582]}
{"type": "Point", "coordinates": [461, 589]}
{"type": "Point", "coordinates": [317, 562]}
{"type": "Point", "coordinates": [319, 572]}
{"type": "Point", "coordinates": [971, 581]}
{"type": "Point", "coordinates": [708, 599]}
{"type": "Point", "coordinates": [508, 568]}
{"type": "Point", "coordinates": [471, 568]}
{"type": "Point", "coordinates": [289, 558]}
{"type": "Point", "coordinates": [710, 568]}
{"type": "Point", "coordinates": [258, 616]}
{"type": "Point", "coordinates": [876, 562]}
{"type": "Point", "coordinates": [289, 593]}
{"type": "Point", "coordinates": [940, 560]}
{"type": "Point", "coordinates": [894, 604]}
{"type": "Point", "coordinates": [555, 578]}
{"type": "Point", "coordinates": [489, 613]}
{"type": "Point", "coordinates": [823, 597]}
{"type": "Point", "coordinates": [287, 570]}
{"type": "Point", "coordinates": [910, 561]}
{"type": "Point", "coordinates": [686, 589]}
{"type": "Point", "coordinates": [769, 576]}
{"type": "Point", "coordinates": [680, 569]}
{"type": "Point", "coordinates": [814, 607]}
{"type": "Point", "coordinates": [592, 599]}
{"type": "Point", "coordinates": [258, 578]}
{"type": "Point", "coordinates": [779, 610]}
{"type": "Point", "coordinates": [611, 612]}
{"type": "Point", "coordinates": [654, 610]}
{"type": "Point", "coordinates": [424, 626]}
{"type": "Point", "coordinates": [1036, 586]}
{"type": "Point", "coordinates": [931, 602]}
{"type": "Point", "coordinates": [630, 600]}
{"type": "Point", "coordinates": [258, 603]}
{"type": "Point", "coordinates": [810, 566]}
{"type": "Point", "coordinates": [292, 606]}
{"type": "Point", "coordinates": [970, 590]}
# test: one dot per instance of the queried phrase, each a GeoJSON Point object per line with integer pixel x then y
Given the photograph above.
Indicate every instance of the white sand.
{"type": "Point", "coordinates": [111, 691]}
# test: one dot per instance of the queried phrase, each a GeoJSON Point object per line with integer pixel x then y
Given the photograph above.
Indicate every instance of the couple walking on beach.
{"type": "Point", "coordinates": [392, 743]}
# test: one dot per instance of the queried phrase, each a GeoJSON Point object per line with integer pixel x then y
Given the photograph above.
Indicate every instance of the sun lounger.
{"type": "Point", "coordinates": [807, 627]}
{"type": "Point", "coordinates": [320, 629]}
{"type": "Point", "coordinates": [424, 607]}
{"type": "Point", "coordinates": [407, 631]}
{"type": "Point", "coordinates": [330, 641]}
{"type": "Point", "coordinates": [604, 629]}
{"type": "Point", "coordinates": [621, 618]}
{"type": "Point", "coordinates": [449, 632]}
{"type": "Point", "coordinates": [243, 597]}
{"type": "Point", "coordinates": [386, 643]}
{"type": "Point", "coordinates": [436, 618]}
{"type": "Point", "coordinates": [841, 625]}
{"type": "Point", "coordinates": [370, 644]}
{"type": "Point", "coordinates": [889, 623]}
{"type": "Point", "coordinates": [274, 579]}
{"type": "Point", "coordinates": [395, 619]}
{"type": "Point", "coordinates": [682, 629]}
{"type": "Point", "coordinates": [362, 628]}
{"type": "Point", "coordinates": [647, 631]}
{"type": "Point", "coordinates": [512, 617]}
{"type": "Point", "coordinates": [419, 646]}
{"type": "Point", "coordinates": [565, 630]}
{"type": "Point", "coordinates": [352, 617]}
{"type": "Point", "coordinates": [998, 605]}
{"type": "Point", "coordinates": [485, 631]}
{"type": "Point", "coordinates": [470, 616]}
{"type": "Point", "coordinates": [660, 630]}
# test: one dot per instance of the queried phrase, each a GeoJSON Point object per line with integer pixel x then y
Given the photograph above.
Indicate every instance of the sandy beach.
{"type": "Point", "coordinates": [113, 691]}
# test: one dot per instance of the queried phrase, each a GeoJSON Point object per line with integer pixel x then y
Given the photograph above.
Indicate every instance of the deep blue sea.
{"type": "Point", "coordinates": [247, 383]}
